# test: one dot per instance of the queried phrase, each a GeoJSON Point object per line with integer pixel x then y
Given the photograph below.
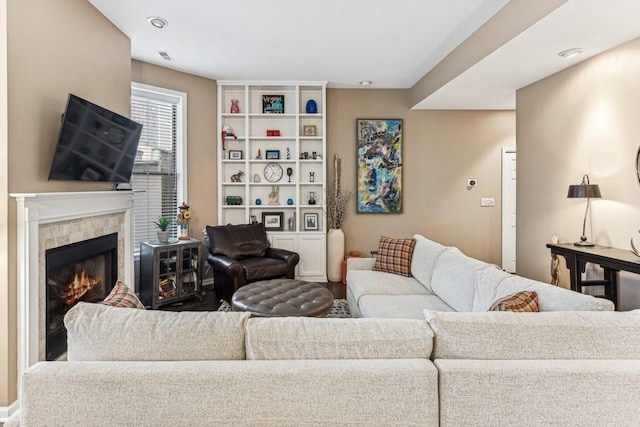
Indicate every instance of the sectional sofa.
{"type": "Point", "coordinates": [444, 279]}
{"type": "Point", "coordinates": [130, 367]}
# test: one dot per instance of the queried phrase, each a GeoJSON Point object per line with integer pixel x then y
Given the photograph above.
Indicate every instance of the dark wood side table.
{"type": "Point", "coordinates": [611, 260]}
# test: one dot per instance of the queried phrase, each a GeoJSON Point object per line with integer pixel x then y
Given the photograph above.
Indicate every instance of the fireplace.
{"type": "Point", "coordinates": [82, 271]}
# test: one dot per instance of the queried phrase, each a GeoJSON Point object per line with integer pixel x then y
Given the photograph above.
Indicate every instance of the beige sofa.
{"type": "Point", "coordinates": [445, 279]}
{"type": "Point", "coordinates": [131, 367]}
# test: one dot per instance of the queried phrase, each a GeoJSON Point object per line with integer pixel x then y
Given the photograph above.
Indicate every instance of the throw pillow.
{"type": "Point", "coordinates": [525, 301]}
{"type": "Point", "coordinates": [394, 256]}
{"type": "Point", "coordinates": [122, 296]}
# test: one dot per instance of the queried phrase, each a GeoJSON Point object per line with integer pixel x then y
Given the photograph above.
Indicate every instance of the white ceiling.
{"type": "Point", "coordinates": [392, 43]}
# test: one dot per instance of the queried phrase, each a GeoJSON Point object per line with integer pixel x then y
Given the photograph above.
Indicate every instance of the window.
{"type": "Point", "coordinates": [158, 174]}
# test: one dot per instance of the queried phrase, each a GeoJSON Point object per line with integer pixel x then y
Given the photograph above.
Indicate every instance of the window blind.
{"type": "Point", "coordinates": [155, 173]}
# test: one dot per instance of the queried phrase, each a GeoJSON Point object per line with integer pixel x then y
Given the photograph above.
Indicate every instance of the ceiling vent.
{"type": "Point", "coordinates": [165, 56]}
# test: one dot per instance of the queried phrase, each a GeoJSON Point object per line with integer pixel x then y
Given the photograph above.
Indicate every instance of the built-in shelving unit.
{"type": "Point", "coordinates": [259, 142]}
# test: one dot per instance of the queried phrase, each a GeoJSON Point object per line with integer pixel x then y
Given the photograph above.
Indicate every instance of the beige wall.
{"type": "Point", "coordinates": [54, 48]}
{"type": "Point", "coordinates": [201, 134]}
{"type": "Point", "coordinates": [441, 150]}
{"type": "Point", "coordinates": [583, 120]}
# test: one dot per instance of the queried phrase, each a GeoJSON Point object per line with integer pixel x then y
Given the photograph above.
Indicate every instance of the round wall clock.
{"type": "Point", "coordinates": [273, 172]}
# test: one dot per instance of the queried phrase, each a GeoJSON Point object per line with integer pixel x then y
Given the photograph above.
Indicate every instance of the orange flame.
{"type": "Point", "coordinates": [80, 285]}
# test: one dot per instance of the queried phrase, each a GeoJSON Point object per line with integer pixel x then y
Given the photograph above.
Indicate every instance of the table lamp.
{"type": "Point", "coordinates": [581, 191]}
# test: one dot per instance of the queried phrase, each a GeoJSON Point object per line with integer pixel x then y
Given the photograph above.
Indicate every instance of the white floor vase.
{"type": "Point", "coordinates": [335, 254]}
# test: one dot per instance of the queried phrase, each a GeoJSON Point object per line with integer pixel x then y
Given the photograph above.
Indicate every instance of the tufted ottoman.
{"type": "Point", "coordinates": [283, 297]}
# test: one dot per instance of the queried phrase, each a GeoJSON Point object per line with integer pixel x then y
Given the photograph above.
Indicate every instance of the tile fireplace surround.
{"type": "Point", "coordinates": [49, 220]}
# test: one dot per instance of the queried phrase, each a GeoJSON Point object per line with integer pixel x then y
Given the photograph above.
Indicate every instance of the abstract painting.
{"type": "Point", "coordinates": [379, 165]}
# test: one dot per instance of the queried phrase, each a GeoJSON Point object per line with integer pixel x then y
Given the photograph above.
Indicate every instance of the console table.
{"type": "Point", "coordinates": [612, 261]}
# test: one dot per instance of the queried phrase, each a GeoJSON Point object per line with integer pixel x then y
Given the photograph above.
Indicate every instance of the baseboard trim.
{"type": "Point", "coordinates": [7, 412]}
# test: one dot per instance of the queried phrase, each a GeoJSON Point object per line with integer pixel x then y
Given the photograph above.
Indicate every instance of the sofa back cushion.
{"type": "Point", "coordinates": [492, 284]}
{"type": "Point", "coordinates": [311, 338]}
{"type": "Point", "coordinates": [454, 278]}
{"type": "Point", "coordinates": [238, 241]}
{"type": "Point", "coordinates": [97, 332]}
{"type": "Point", "coordinates": [501, 335]}
{"type": "Point", "coordinates": [425, 255]}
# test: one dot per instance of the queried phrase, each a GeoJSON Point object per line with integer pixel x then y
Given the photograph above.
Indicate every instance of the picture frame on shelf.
{"type": "Point", "coordinates": [235, 154]}
{"type": "Point", "coordinates": [273, 104]}
{"type": "Point", "coordinates": [272, 154]}
{"type": "Point", "coordinates": [311, 221]}
{"type": "Point", "coordinates": [273, 221]}
{"type": "Point", "coordinates": [309, 130]}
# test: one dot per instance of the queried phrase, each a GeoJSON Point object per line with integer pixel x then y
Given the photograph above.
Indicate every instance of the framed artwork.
{"type": "Point", "coordinates": [309, 130]}
{"type": "Point", "coordinates": [311, 221]}
{"type": "Point", "coordinates": [235, 154]}
{"type": "Point", "coordinates": [273, 221]}
{"type": "Point", "coordinates": [379, 165]}
{"type": "Point", "coordinates": [273, 104]}
{"type": "Point", "coordinates": [272, 154]}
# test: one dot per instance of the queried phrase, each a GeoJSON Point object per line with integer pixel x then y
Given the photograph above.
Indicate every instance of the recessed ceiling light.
{"type": "Point", "coordinates": [570, 53]}
{"type": "Point", "coordinates": [157, 21]}
{"type": "Point", "coordinates": [366, 82]}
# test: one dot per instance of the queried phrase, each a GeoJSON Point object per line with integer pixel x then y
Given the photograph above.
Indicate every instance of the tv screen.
{"type": "Point", "coordinates": [94, 144]}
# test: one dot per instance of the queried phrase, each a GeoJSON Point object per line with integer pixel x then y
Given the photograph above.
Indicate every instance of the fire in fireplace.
{"type": "Point", "coordinates": [82, 271]}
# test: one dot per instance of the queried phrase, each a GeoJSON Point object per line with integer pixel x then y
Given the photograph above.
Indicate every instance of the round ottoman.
{"type": "Point", "coordinates": [283, 297]}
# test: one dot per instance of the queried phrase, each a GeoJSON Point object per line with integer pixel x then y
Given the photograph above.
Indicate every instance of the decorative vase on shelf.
{"type": "Point", "coordinates": [235, 108]}
{"type": "Point", "coordinates": [335, 254]}
{"type": "Point", "coordinates": [311, 107]}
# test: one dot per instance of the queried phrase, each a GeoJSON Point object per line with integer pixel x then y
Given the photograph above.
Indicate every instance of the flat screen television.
{"type": "Point", "coordinates": [95, 144]}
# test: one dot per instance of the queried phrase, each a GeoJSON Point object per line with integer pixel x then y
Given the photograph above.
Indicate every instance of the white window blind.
{"type": "Point", "coordinates": [156, 174]}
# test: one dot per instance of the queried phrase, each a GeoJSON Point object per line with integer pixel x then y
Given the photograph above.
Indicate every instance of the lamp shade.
{"type": "Point", "coordinates": [583, 191]}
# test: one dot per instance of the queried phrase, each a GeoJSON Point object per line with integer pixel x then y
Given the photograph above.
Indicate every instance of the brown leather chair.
{"type": "Point", "coordinates": [241, 254]}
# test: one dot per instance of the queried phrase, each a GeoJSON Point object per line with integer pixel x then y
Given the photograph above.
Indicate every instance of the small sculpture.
{"type": "Point", "coordinates": [256, 177]}
{"type": "Point", "coordinates": [184, 216]}
{"type": "Point", "coordinates": [236, 176]}
{"type": "Point", "coordinates": [633, 247]}
{"type": "Point", "coordinates": [555, 264]}
{"type": "Point", "coordinates": [273, 195]}
{"type": "Point", "coordinates": [259, 156]}
{"type": "Point", "coordinates": [288, 153]}
{"type": "Point", "coordinates": [235, 108]}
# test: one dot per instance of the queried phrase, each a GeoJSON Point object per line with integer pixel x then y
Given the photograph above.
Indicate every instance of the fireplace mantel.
{"type": "Point", "coordinates": [35, 210]}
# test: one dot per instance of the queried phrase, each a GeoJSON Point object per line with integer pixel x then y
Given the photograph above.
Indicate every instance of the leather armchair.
{"type": "Point", "coordinates": [241, 254]}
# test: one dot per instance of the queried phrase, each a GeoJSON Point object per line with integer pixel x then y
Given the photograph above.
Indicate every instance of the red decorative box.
{"type": "Point", "coordinates": [273, 132]}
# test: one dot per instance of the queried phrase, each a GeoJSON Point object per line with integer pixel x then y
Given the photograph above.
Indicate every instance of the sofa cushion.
{"type": "Point", "coordinates": [454, 278]}
{"type": "Point", "coordinates": [238, 241]}
{"type": "Point", "coordinates": [400, 306]}
{"type": "Point", "coordinates": [97, 332]}
{"type": "Point", "coordinates": [492, 283]}
{"type": "Point", "coordinates": [394, 256]}
{"type": "Point", "coordinates": [310, 338]}
{"type": "Point", "coordinates": [368, 282]}
{"type": "Point", "coordinates": [520, 302]}
{"type": "Point", "coordinates": [551, 335]}
{"type": "Point", "coordinates": [122, 296]}
{"type": "Point", "coordinates": [425, 255]}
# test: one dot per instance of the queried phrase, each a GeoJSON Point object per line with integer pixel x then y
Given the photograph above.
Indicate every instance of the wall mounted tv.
{"type": "Point", "coordinates": [94, 144]}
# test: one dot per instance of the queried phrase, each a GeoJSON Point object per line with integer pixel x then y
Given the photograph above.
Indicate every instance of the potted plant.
{"type": "Point", "coordinates": [163, 224]}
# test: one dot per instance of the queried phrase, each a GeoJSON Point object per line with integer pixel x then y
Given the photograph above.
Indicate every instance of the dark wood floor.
{"type": "Point", "coordinates": [211, 302]}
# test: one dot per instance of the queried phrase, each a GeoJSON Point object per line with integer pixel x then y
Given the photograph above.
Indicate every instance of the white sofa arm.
{"type": "Point", "coordinates": [360, 263]}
